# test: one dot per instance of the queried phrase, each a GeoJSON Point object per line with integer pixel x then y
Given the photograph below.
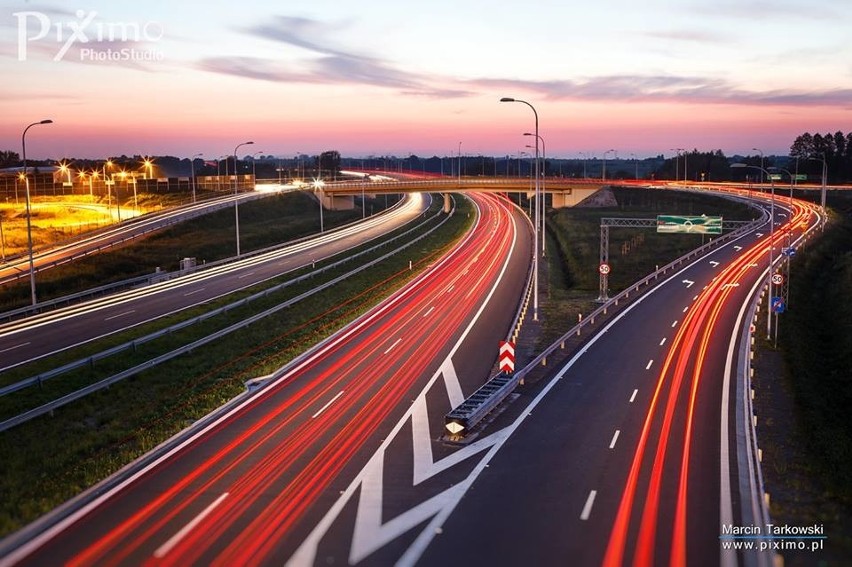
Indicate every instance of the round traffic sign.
{"type": "Point", "coordinates": [777, 279]}
{"type": "Point", "coordinates": [604, 268]}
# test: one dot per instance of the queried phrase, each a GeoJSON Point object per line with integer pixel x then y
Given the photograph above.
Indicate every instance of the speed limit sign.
{"type": "Point", "coordinates": [777, 279]}
{"type": "Point", "coordinates": [604, 268]}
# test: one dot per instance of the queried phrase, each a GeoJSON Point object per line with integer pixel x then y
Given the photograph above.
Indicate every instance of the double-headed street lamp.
{"type": "Point", "coordinates": [29, 221]}
{"type": "Point", "coordinates": [543, 192]}
{"type": "Point", "coordinates": [236, 200]}
{"type": "Point", "coordinates": [537, 205]}
{"type": "Point", "coordinates": [771, 235]}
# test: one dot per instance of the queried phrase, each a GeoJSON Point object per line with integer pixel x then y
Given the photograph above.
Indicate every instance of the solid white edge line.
{"type": "Point", "coordinates": [587, 509]}
{"type": "Point", "coordinates": [175, 539]}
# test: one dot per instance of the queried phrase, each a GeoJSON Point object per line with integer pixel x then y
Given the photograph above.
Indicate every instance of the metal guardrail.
{"type": "Point", "coordinates": [470, 412]}
{"type": "Point", "coordinates": [105, 383]}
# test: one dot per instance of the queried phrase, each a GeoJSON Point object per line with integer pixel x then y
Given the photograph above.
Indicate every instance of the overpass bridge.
{"type": "Point", "coordinates": [564, 192]}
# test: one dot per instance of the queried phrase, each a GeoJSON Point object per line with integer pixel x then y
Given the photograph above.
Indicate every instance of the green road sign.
{"type": "Point", "coordinates": [775, 176]}
{"type": "Point", "coordinates": [689, 225]}
{"type": "Point", "coordinates": [801, 177]}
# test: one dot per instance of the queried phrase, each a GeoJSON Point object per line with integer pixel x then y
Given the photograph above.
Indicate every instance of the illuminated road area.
{"type": "Point", "coordinates": [55, 330]}
{"type": "Point", "coordinates": [627, 454]}
{"type": "Point", "coordinates": [249, 485]}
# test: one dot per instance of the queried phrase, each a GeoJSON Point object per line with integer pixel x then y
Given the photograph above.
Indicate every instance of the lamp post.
{"type": "Point", "coordinates": [254, 166]}
{"type": "Point", "coordinates": [108, 183]}
{"type": "Point", "coordinates": [677, 162]}
{"type": "Point", "coordinates": [460, 162]}
{"type": "Point", "coordinates": [603, 172]}
{"type": "Point", "coordinates": [543, 193]}
{"type": "Point", "coordinates": [318, 185]}
{"type": "Point", "coordinates": [236, 200]}
{"type": "Point", "coordinates": [789, 243]}
{"type": "Point", "coordinates": [824, 178]}
{"type": "Point", "coordinates": [636, 165]}
{"type": "Point", "coordinates": [192, 168]}
{"type": "Point", "coordinates": [758, 150]}
{"type": "Point", "coordinates": [537, 204]}
{"type": "Point", "coordinates": [29, 221]}
{"type": "Point", "coordinates": [771, 235]}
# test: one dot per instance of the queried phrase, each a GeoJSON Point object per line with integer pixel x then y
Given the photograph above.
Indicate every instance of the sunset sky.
{"type": "Point", "coordinates": [393, 78]}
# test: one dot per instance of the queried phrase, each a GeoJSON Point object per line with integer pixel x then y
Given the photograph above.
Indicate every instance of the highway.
{"type": "Point", "coordinates": [46, 333]}
{"type": "Point", "coordinates": [626, 455]}
{"type": "Point", "coordinates": [90, 243]}
{"type": "Point", "coordinates": [247, 485]}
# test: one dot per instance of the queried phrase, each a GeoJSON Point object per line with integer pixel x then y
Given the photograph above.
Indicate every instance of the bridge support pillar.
{"type": "Point", "coordinates": [333, 202]}
{"type": "Point", "coordinates": [567, 198]}
{"type": "Point", "coordinates": [447, 203]}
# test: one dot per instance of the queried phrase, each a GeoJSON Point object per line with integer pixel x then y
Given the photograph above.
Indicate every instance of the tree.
{"type": "Point", "coordinates": [8, 158]}
{"type": "Point", "coordinates": [330, 162]}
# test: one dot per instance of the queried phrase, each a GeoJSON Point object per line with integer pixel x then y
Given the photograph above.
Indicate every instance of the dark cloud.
{"type": "Point", "coordinates": [638, 88]}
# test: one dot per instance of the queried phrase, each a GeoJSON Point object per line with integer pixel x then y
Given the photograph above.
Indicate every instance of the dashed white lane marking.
{"type": "Point", "coordinates": [587, 509]}
{"type": "Point", "coordinates": [614, 439]}
{"type": "Point", "coordinates": [11, 348]}
{"type": "Point", "coordinates": [390, 348]}
{"type": "Point", "coordinates": [633, 397]}
{"type": "Point", "coordinates": [325, 407]}
{"type": "Point", "coordinates": [175, 539]}
{"type": "Point", "coordinates": [120, 315]}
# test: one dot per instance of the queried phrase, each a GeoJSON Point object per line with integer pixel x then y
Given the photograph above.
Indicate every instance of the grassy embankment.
{"type": "Point", "coordinates": [574, 248]}
{"type": "Point", "coordinates": [804, 393]}
{"type": "Point", "coordinates": [88, 440]}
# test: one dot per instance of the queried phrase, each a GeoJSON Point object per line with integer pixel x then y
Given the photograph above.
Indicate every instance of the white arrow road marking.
{"type": "Point", "coordinates": [714, 263]}
{"type": "Point", "coordinates": [688, 283]}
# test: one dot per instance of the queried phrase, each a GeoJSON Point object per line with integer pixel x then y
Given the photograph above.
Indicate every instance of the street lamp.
{"type": "Point", "coordinates": [603, 173]}
{"type": "Point", "coordinates": [236, 203]}
{"type": "Point", "coordinates": [636, 165]}
{"type": "Point", "coordinates": [758, 150]}
{"type": "Point", "coordinates": [824, 178]}
{"type": "Point", "coordinates": [254, 166]}
{"type": "Point", "coordinates": [537, 205]}
{"type": "Point", "coordinates": [789, 243]}
{"type": "Point", "coordinates": [29, 223]}
{"type": "Point", "coordinates": [771, 235]}
{"type": "Point", "coordinates": [149, 168]}
{"type": "Point", "coordinates": [318, 184]}
{"type": "Point", "coordinates": [192, 169]}
{"type": "Point", "coordinates": [543, 192]}
{"type": "Point", "coordinates": [677, 162]}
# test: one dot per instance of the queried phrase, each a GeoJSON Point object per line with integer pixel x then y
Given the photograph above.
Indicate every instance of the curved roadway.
{"type": "Point", "coordinates": [247, 485]}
